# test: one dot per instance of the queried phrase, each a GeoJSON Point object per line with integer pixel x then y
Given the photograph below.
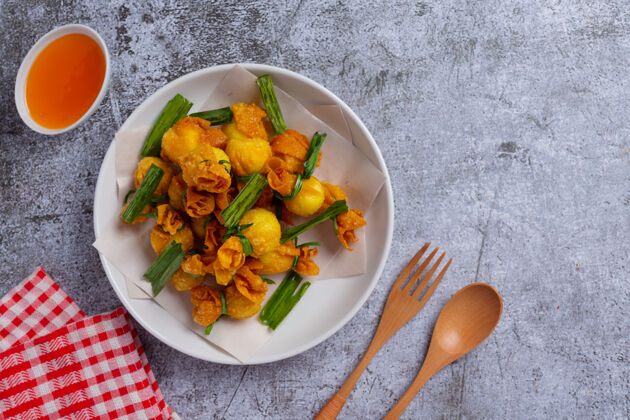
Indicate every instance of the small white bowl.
{"type": "Point", "coordinates": [20, 81]}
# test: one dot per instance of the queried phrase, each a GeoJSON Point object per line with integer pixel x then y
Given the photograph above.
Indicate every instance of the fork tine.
{"type": "Point", "coordinates": [419, 271]}
{"type": "Point", "coordinates": [435, 284]}
{"type": "Point", "coordinates": [428, 276]}
{"type": "Point", "coordinates": [405, 273]}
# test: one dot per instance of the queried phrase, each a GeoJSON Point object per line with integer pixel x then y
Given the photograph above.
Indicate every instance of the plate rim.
{"type": "Point", "coordinates": [257, 68]}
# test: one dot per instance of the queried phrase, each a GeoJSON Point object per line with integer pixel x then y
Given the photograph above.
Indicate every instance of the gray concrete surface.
{"type": "Point", "coordinates": [505, 128]}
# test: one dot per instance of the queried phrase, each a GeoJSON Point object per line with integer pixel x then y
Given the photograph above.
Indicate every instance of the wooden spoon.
{"type": "Point", "coordinates": [464, 323]}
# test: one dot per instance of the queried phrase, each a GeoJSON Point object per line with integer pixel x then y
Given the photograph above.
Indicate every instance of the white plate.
{"type": "Point", "coordinates": [329, 304]}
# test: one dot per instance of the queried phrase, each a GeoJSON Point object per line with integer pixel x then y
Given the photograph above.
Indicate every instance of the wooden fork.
{"type": "Point", "coordinates": [402, 304]}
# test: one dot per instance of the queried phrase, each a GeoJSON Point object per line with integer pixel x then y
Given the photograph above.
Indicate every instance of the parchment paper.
{"type": "Point", "coordinates": [128, 247]}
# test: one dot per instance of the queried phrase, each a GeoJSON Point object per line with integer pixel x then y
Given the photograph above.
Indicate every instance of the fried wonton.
{"type": "Point", "coordinates": [207, 168]}
{"type": "Point", "coordinates": [183, 281]}
{"type": "Point", "coordinates": [346, 224]}
{"type": "Point", "coordinates": [305, 265]}
{"type": "Point", "coordinates": [207, 304]}
{"type": "Point", "coordinates": [175, 192]}
{"type": "Point", "coordinates": [248, 120]}
{"type": "Point", "coordinates": [143, 168]}
{"type": "Point", "coordinates": [168, 219]}
{"type": "Point", "coordinates": [212, 237]}
{"type": "Point", "coordinates": [198, 204]}
{"type": "Point", "coordinates": [291, 146]}
{"type": "Point", "coordinates": [238, 306]}
{"type": "Point", "coordinates": [279, 260]}
{"type": "Point", "coordinates": [160, 239]}
{"type": "Point", "coordinates": [250, 285]}
{"type": "Point", "coordinates": [279, 177]}
{"type": "Point", "coordinates": [186, 135]}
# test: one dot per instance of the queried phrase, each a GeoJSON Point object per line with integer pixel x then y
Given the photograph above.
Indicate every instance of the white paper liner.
{"type": "Point", "coordinates": [128, 248]}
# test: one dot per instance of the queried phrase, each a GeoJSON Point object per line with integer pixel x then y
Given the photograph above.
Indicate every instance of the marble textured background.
{"type": "Point", "coordinates": [504, 125]}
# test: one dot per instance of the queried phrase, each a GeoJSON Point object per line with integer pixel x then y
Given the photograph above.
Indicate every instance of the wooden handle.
{"type": "Point", "coordinates": [423, 376]}
{"type": "Point", "coordinates": [332, 409]}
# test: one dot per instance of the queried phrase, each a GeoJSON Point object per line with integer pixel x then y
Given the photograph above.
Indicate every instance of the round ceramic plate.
{"type": "Point", "coordinates": [329, 304]}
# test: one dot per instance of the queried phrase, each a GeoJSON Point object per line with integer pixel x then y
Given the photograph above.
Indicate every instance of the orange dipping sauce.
{"type": "Point", "coordinates": [65, 80]}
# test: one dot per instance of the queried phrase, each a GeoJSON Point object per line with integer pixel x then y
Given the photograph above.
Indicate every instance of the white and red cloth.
{"type": "Point", "coordinates": [55, 362]}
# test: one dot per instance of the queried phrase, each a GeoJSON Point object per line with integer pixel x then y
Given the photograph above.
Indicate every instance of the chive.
{"type": "Point", "coordinates": [332, 211]}
{"type": "Point", "coordinates": [208, 329]}
{"type": "Point", "coordinates": [283, 292]}
{"type": "Point", "coordinates": [175, 110]}
{"type": "Point", "coordinates": [278, 207]}
{"type": "Point", "coordinates": [216, 116]}
{"type": "Point", "coordinates": [296, 188]}
{"type": "Point", "coordinates": [247, 246]}
{"type": "Point", "coordinates": [152, 214]}
{"type": "Point", "coordinates": [312, 154]}
{"type": "Point", "coordinates": [234, 230]}
{"type": "Point", "coordinates": [308, 244]}
{"type": "Point", "coordinates": [143, 195]}
{"type": "Point", "coordinates": [288, 305]}
{"type": "Point", "coordinates": [295, 261]}
{"type": "Point", "coordinates": [244, 178]}
{"type": "Point", "coordinates": [127, 196]}
{"type": "Point", "coordinates": [244, 201]}
{"type": "Point", "coordinates": [223, 162]}
{"type": "Point", "coordinates": [268, 281]}
{"type": "Point", "coordinates": [223, 303]}
{"type": "Point", "coordinates": [271, 103]}
{"type": "Point", "coordinates": [181, 197]}
{"type": "Point", "coordinates": [164, 266]}
{"type": "Point", "coordinates": [196, 276]}
{"type": "Point", "coordinates": [159, 199]}
{"type": "Point", "coordinates": [335, 227]}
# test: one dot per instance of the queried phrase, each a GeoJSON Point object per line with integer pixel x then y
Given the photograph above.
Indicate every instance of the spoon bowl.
{"type": "Point", "coordinates": [466, 320]}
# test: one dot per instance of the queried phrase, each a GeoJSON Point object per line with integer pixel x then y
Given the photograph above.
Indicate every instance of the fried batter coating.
{"type": "Point", "coordinates": [248, 155]}
{"type": "Point", "coordinates": [279, 177]}
{"type": "Point", "coordinates": [238, 306]}
{"type": "Point", "coordinates": [207, 304]}
{"type": "Point", "coordinates": [291, 146]}
{"type": "Point", "coordinates": [143, 168]}
{"type": "Point", "coordinates": [305, 265]}
{"type": "Point", "coordinates": [175, 190]}
{"type": "Point", "coordinates": [248, 120]}
{"type": "Point", "coordinates": [195, 265]}
{"type": "Point", "coordinates": [168, 219]}
{"type": "Point", "coordinates": [309, 200]}
{"type": "Point", "coordinates": [212, 237]}
{"type": "Point", "coordinates": [160, 239]}
{"type": "Point", "coordinates": [332, 193]}
{"type": "Point", "coordinates": [230, 254]}
{"type": "Point", "coordinates": [202, 170]}
{"type": "Point", "coordinates": [264, 234]}
{"type": "Point", "coordinates": [183, 281]}
{"type": "Point", "coordinates": [346, 224]}
{"type": "Point", "coordinates": [198, 204]}
{"type": "Point", "coordinates": [188, 133]}
{"type": "Point", "coordinates": [250, 285]}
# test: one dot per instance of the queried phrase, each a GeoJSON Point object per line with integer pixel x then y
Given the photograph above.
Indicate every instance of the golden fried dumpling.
{"type": "Point", "coordinates": [279, 260]}
{"type": "Point", "coordinates": [207, 306]}
{"type": "Point", "coordinates": [279, 177]}
{"type": "Point", "coordinates": [248, 120]}
{"type": "Point", "coordinates": [168, 219]}
{"type": "Point", "coordinates": [230, 257]}
{"type": "Point", "coordinates": [238, 306]}
{"type": "Point", "coordinates": [198, 204]}
{"type": "Point", "coordinates": [175, 191]}
{"type": "Point", "coordinates": [265, 232]}
{"type": "Point", "coordinates": [305, 265]}
{"type": "Point", "coordinates": [198, 226]}
{"type": "Point", "coordinates": [332, 193]}
{"type": "Point", "coordinates": [143, 168]}
{"type": "Point", "coordinates": [309, 199]}
{"type": "Point", "coordinates": [250, 285]}
{"type": "Point", "coordinates": [160, 239]}
{"type": "Point", "coordinates": [183, 281]}
{"type": "Point", "coordinates": [248, 155]}
{"type": "Point", "coordinates": [207, 168]}
{"type": "Point", "coordinates": [212, 237]}
{"type": "Point", "coordinates": [291, 146]}
{"type": "Point", "coordinates": [346, 224]}
{"type": "Point", "coordinates": [186, 135]}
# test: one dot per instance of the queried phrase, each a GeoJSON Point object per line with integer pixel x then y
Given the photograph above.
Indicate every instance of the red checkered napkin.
{"type": "Point", "coordinates": [55, 362]}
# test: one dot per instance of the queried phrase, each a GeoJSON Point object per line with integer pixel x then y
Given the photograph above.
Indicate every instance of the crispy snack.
{"type": "Point", "coordinates": [202, 170]}
{"type": "Point", "coordinates": [143, 168]}
{"type": "Point", "coordinates": [212, 237]}
{"type": "Point", "coordinates": [160, 239]}
{"type": "Point", "coordinates": [238, 306]}
{"type": "Point", "coordinates": [248, 120]}
{"type": "Point", "coordinates": [188, 133]}
{"type": "Point", "coordinates": [198, 204]}
{"type": "Point", "coordinates": [253, 264]}
{"type": "Point", "coordinates": [279, 260]}
{"type": "Point", "coordinates": [265, 200]}
{"type": "Point", "coordinates": [305, 265]}
{"type": "Point", "coordinates": [264, 234]}
{"type": "Point", "coordinates": [279, 177]}
{"type": "Point", "coordinates": [250, 285]}
{"type": "Point", "coordinates": [195, 265]}
{"type": "Point", "coordinates": [168, 219]}
{"type": "Point", "coordinates": [207, 304]}
{"type": "Point", "coordinates": [139, 219]}
{"type": "Point", "coordinates": [183, 281]}
{"type": "Point", "coordinates": [309, 200]}
{"type": "Point", "coordinates": [346, 224]}
{"type": "Point", "coordinates": [291, 146]}
{"type": "Point", "coordinates": [198, 226]}
{"type": "Point", "coordinates": [175, 190]}
{"type": "Point", "coordinates": [332, 193]}
{"type": "Point", "coordinates": [230, 254]}
{"type": "Point", "coordinates": [248, 155]}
